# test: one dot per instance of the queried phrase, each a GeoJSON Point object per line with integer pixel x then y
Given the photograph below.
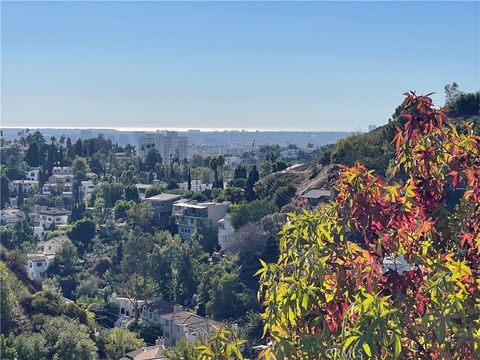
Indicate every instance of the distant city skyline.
{"type": "Point", "coordinates": [329, 66]}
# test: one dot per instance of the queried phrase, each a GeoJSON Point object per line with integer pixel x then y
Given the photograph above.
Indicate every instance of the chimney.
{"type": "Point", "coordinates": [177, 308]}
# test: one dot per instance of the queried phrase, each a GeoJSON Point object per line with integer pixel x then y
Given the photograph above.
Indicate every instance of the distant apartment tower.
{"type": "Point", "coordinates": [371, 127]}
{"type": "Point", "coordinates": [167, 145]}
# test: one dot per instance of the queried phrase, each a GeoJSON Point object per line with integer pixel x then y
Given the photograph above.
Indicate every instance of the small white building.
{"type": "Point", "coordinates": [62, 170]}
{"type": "Point", "coordinates": [190, 215]}
{"type": "Point", "coordinates": [53, 218]}
{"type": "Point", "coordinates": [15, 185]}
{"type": "Point", "coordinates": [126, 307]}
{"type": "Point", "coordinates": [33, 174]}
{"type": "Point", "coordinates": [225, 232]}
{"type": "Point", "coordinates": [37, 265]}
{"type": "Point", "coordinates": [51, 246]}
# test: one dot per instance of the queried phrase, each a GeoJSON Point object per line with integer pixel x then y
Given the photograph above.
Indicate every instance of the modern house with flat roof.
{"type": "Point", "coordinates": [190, 215]}
{"type": "Point", "coordinates": [162, 206]}
{"type": "Point", "coordinates": [52, 218]}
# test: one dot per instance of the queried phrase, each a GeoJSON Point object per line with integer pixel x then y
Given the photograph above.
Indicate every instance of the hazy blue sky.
{"type": "Point", "coordinates": [278, 65]}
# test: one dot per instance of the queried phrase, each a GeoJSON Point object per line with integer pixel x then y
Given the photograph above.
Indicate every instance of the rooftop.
{"type": "Point", "coordinates": [161, 306]}
{"type": "Point", "coordinates": [39, 257]}
{"type": "Point", "coordinates": [316, 194]}
{"type": "Point", "coordinates": [55, 212]}
{"type": "Point", "coordinates": [164, 197]}
{"type": "Point", "coordinates": [146, 353]}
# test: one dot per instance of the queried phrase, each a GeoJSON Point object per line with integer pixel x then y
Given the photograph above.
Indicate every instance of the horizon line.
{"type": "Point", "coordinates": [178, 129]}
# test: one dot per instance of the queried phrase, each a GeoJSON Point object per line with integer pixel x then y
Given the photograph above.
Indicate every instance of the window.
{"type": "Point", "coordinates": [177, 328]}
{"type": "Point", "coordinates": [49, 247]}
{"type": "Point", "coordinates": [29, 264]}
{"type": "Point", "coordinates": [167, 334]}
{"type": "Point", "coordinates": [39, 264]}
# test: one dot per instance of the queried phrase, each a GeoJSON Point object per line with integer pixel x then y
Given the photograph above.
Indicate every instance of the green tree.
{"type": "Point", "coordinates": [135, 270]}
{"type": "Point", "coordinates": [119, 341]}
{"type": "Point", "coordinates": [81, 233]}
{"type": "Point", "coordinates": [253, 177]}
{"type": "Point", "coordinates": [246, 212]}
{"type": "Point", "coordinates": [207, 237]}
{"type": "Point", "coordinates": [4, 191]}
{"type": "Point", "coordinates": [8, 301]}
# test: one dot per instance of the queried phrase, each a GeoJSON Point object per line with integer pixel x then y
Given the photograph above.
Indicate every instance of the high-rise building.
{"type": "Point", "coordinates": [167, 145]}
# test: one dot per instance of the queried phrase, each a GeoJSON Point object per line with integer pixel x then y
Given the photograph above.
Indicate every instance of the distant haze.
{"type": "Point", "coordinates": [229, 65]}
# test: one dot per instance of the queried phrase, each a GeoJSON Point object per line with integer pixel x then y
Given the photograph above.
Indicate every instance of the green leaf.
{"type": "Point", "coordinates": [349, 341]}
{"type": "Point", "coordinates": [397, 346]}
{"type": "Point", "coordinates": [367, 350]}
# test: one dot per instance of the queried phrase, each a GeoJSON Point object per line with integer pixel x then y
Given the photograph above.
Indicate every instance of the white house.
{"type": "Point", "coordinates": [51, 246]}
{"type": "Point", "coordinates": [33, 174]}
{"type": "Point", "coordinates": [37, 264]}
{"type": "Point", "coordinates": [184, 324]}
{"type": "Point", "coordinates": [62, 170]}
{"type": "Point", "coordinates": [174, 322]}
{"type": "Point", "coordinates": [15, 185]}
{"type": "Point", "coordinates": [152, 311]}
{"type": "Point", "coordinates": [126, 307]}
{"type": "Point", "coordinates": [192, 215]}
{"type": "Point", "coordinates": [225, 232]}
{"type": "Point", "coordinates": [53, 218]}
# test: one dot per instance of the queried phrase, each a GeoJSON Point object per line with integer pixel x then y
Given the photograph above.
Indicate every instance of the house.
{"type": "Point", "coordinates": [195, 186]}
{"type": "Point", "coordinates": [225, 232]}
{"type": "Point", "coordinates": [126, 307]}
{"type": "Point", "coordinates": [11, 216]}
{"type": "Point", "coordinates": [15, 185]}
{"type": "Point", "coordinates": [62, 170]}
{"type": "Point", "coordinates": [60, 179]}
{"type": "Point", "coordinates": [162, 206]}
{"type": "Point", "coordinates": [52, 218]}
{"type": "Point", "coordinates": [192, 215]}
{"type": "Point", "coordinates": [185, 325]}
{"type": "Point", "coordinates": [50, 247]}
{"type": "Point", "coordinates": [315, 197]}
{"type": "Point", "coordinates": [33, 174]}
{"type": "Point", "coordinates": [37, 265]}
{"type": "Point", "coordinates": [155, 352]}
{"type": "Point", "coordinates": [175, 323]}
{"type": "Point", "coordinates": [151, 312]}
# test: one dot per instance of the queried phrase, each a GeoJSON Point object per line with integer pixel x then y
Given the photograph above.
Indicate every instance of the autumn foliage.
{"type": "Point", "coordinates": [390, 268]}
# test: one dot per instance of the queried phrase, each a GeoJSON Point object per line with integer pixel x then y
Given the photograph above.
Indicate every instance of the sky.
{"type": "Point", "coordinates": [229, 65]}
